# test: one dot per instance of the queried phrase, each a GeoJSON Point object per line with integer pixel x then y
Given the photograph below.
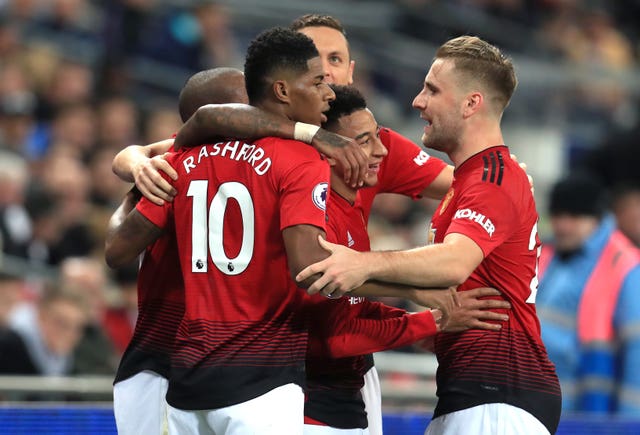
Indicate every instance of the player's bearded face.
{"type": "Point", "coordinates": [443, 134]}
{"type": "Point", "coordinates": [439, 105]}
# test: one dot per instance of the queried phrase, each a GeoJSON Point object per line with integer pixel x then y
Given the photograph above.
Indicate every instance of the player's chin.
{"type": "Point", "coordinates": [370, 180]}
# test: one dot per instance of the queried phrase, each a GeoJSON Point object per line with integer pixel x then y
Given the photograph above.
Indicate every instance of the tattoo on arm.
{"type": "Point", "coordinates": [213, 122]}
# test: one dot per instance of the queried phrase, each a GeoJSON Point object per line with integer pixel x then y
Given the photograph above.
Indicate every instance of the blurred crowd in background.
{"type": "Point", "coordinates": [82, 79]}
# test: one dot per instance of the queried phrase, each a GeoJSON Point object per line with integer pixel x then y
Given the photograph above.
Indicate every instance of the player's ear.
{"type": "Point", "coordinates": [281, 90]}
{"type": "Point", "coordinates": [472, 103]}
{"type": "Point", "coordinates": [352, 65]}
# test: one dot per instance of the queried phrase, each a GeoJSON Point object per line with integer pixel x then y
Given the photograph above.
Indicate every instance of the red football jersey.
{"type": "Point", "coordinates": [344, 332]}
{"type": "Point", "coordinates": [490, 201]}
{"type": "Point", "coordinates": [407, 170]}
{"type": "Point", "coordinates": [160, 310]}
{"type": "Point", "coordinates": [239, 337]}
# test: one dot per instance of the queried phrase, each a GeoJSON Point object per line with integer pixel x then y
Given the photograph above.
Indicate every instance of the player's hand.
{"type": "Point", "coordinates": [347, 152]}
{"type": "Point", "coordinates": [524, 168]}
{"type": "Point", "coordinates": [445, 300]}
{"type": "Point", "coordinates": [342, 271]}
{"type": "Point", "coordinates": [475, 312]}
{"type": "Point", "coordinates": [149, 181]}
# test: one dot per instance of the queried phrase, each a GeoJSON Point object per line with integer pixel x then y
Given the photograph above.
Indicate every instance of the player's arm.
{"type": "Point", "coordinates": [213, 122]}
{"type": "Point", "coordinates": [128, 234]}
{"type": "Point", "coordinates": [438, 188]}
{"type": "Point", "coordinates": [362, 335]}
{"type": "Point", "coordinates": [142, 165]}
{"type": "Point", "coordinates": [460, 310]}
{"type": "Point", "coordinates": [444, 264]}
{"type": "Point", "coordinates": [303, 249]}
{"type": "Point", "coordinates": [380, 327]}
{"type": "Point", "coordinates": [441, 265]}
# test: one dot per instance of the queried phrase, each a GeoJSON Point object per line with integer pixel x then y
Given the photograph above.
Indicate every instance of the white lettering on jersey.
{"type": "Point", "coordinates": [353, 300]}
{"type": "Point", "coordinates": [350, 241]}
{"type": "Point", "coordinates": [319, 195]}
{"type": "Point", "coordinates": [421, 158]}
{"type": "Point", "coordinates": [249, 153]}
{"type": "Point", "coordinates": [479, 218]}
{"type": "Point", "coordinates": [188, 164]}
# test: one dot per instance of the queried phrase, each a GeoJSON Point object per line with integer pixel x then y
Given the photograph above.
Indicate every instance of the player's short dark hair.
{"type": "Point", "coordinates": [275, 49]}
{"type": "Point", "coordinates": [317, 20]}
{"type": "Point", "coordinates": [348, 100]}
{"type": "Point", "coordinates": [212, 86]}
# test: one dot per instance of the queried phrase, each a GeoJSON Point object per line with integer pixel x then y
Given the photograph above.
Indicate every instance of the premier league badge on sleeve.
{"type": "Point", "coordinates": [319, 195]}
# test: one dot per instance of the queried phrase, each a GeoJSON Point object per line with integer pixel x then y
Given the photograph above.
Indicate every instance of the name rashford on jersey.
{"type": "Point", "coordinates": [239, 336]}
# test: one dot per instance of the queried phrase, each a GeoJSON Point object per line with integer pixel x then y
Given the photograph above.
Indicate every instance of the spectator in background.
{"type": "Point", "coordinates": [17, 121]}
{"type": "Point", "coordinates": [588, 301]}
{"type": "Point", "coordinates": [625, 205]}
{"type": "Point", "coordinates": [71, 131]}
{"type": "Point", "coordinates": [95, 353]}
{"type": "Point", "coordinates": [44, 336]}
{"type": "Point", "coordinates": [615, 161]}
{"type": "Point", "coordinates": [15, 222]}
{"type": "Point", "coordinates": [12, 289]}
{"type": "Point", "coordinates": [120, 316]}
{"type": "Point", "coordinates": [195, 37]}
{"type": "Point", "coordinates": [118, 119]}
{"type": "Point", "coordinates": [160, 124]}
{"type": "Point", "coordinates": [70, 83]}
{"type": "Point", "coordinates": [66, 181]}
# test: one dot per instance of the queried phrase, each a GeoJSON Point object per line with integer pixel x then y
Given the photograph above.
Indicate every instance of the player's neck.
{"type": "Point", "coordinates": [273, 107]}
{"type": "Point", "coordinates": [475, 140]}
{"type": "Point", "coordinates": [341, 188]}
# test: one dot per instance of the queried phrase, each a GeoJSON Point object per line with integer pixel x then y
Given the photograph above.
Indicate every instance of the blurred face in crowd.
{"type": "Point", "coordinates": [571, 231]}
{"type": "Point", "coordinates": [362, 126]}
{"type": "Point", "coordinates": [11, 289]}
{"type": "Point", "coordinates": [627, 212]}
{"type": "Point", "coordinates": [62, 323]}
{"type": "Point", "coordinates": [334, 52]}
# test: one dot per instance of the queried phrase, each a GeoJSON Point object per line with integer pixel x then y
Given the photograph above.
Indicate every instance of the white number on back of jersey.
{"type": "Point", "coordinates": [533, 285]}
{"type": "Point", "coordinates": [207, 234]}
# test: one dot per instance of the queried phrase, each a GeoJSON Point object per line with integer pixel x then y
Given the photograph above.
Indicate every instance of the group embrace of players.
{"type": "Point", "coordinates": [243, 215]}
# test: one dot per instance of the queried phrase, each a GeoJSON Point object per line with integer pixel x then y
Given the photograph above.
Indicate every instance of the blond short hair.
{"type": "Point", "coordinates": [478, 60]}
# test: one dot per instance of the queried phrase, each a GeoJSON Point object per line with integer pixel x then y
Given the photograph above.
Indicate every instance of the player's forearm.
{"type": "Point", "coordinates": [126, 160]}
{"type": "Point", "coordinates": [377, 289]}
{"type": "Point", "coordinates": [129, 239]}
{"type": "Point", "coordinates": [215, 121]}
{"type": "Point", "coordinates": [434, 266]}
{"type": "Point", "coordinates": [128, 203]}
{"type": "Point", "coordinates": [364, 336]}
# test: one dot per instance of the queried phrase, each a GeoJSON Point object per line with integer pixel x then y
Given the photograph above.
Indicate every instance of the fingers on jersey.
{"type": "Point", "coordinates": [152, 184]}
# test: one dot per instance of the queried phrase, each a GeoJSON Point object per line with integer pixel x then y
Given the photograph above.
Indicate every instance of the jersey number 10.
{"type": "Point", "coordinates": [207, 230]}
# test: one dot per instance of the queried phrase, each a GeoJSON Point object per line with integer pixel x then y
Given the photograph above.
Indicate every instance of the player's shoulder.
{"type": "Point", "coordinates": [391, 138]}
{"type": "Point", "coordinates": [290, 149]}
{"type": "Point", "coordinates": [494, 168]}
